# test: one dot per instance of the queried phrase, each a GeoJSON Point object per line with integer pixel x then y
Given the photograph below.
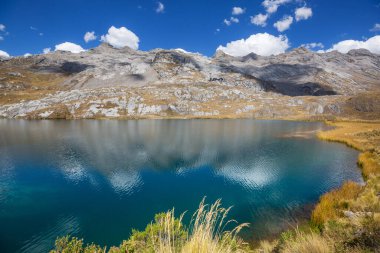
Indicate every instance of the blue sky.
{"type": "Point", "coordinates": [196, 25]}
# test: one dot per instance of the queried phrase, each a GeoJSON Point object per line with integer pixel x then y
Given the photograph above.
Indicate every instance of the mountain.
{"type": "Point", "coordinates": [106, 82]}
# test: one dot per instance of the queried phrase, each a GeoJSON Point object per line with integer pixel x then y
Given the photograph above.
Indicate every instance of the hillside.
{"type": "Point", "coordinates": [105, 82]}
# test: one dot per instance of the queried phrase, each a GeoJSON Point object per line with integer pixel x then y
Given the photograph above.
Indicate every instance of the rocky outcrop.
{"type": "Point", "coordinates": [106, 82]}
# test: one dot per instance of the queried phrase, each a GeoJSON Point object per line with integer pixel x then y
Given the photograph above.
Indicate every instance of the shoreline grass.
{"type": "Point", "coordinates": [206, 233]}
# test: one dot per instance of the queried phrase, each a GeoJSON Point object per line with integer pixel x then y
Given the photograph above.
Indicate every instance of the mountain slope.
{"type": "Point", "coordinates": [105, 82]}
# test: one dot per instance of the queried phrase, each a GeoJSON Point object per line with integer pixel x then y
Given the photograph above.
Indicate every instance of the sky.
{"type": "Point", "coordinates": [237, 27]}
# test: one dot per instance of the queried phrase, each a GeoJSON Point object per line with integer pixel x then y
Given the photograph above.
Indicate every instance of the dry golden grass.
{"type": "Point", "coordinates": [369, 162]}
{"type": "Point", "coordinates": [307, 243]}
{"type": "Point", "coordinates": [35, 85]}
{"type": "Point", "coordinates": [166, 242]}
{"type": "Point", "coordinates": [330, 204]}
{"type": "Point", "coordinates": [365, 137]}
{"type": "Point", "coordinates": [266, 246]}
{"type": "Point", "coordinates": [207, 232]}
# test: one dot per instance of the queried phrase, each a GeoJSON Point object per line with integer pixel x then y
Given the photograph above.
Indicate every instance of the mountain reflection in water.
{"type": "Point", "coordinates": [115, 175]}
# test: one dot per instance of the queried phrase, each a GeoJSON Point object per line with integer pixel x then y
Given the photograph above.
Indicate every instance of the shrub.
{"type": "Point", "coordinates": [168, 235]}
{"type": "Point", "coordinates": [68, 244]}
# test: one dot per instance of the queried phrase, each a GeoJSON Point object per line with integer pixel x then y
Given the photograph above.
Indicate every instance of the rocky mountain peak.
{"type": "Point", "coordinates": [220, 55]}
{"type": "Point", "coordinates": [360, 52]}
{"type": "Point", "coordinates": [107, 48]}
{"type": "Point", "coordinates": [300, 50]}
{"type": "Point", "coordinates": [250, 56]}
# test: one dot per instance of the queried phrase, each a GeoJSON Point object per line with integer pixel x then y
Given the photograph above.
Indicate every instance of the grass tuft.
{"type": "Point", "coordinates": [331, 203]}
{"type": "Point", "coordinates": [307, 243]}
{"type": "Point", "coordinates": [168, 235]}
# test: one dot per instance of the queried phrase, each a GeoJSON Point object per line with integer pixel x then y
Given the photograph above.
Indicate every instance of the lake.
{"type": "Point", "coordinates": [99, 179]}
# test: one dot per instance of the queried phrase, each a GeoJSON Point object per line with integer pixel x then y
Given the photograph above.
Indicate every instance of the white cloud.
{"type": "Point", "coordinates": [121, 37]}
{"type": "Point", "coordinates": [2, 27]}
{"type": "Point", "coordinates": [271, 6]}
{"type": "Point", "coordinates": [284, 23]}
{"type": "Point", "coordinates": [89, 36]}
{"type": "Point", "coordinates": [260, 19]}
{"type": "Point", "coordinates": [229, 22]}
{"type": "Point", "coordinates": [160, 7]}
{"type": "Point", "coordinates": [27, 55]}
{"type": "Point", "coordinates": [237, 11]}
{"type": "Point", "coordinates": [182, 50]}
{"type": "Point", "coordinates": [372, 44]}
{"type": "Point", "coordinates": [313, 45]}
{"type": "Point", "coordinates": [376, 28]}
{"type": "Point", "coordinates": [46, 50]}
{"type": "Point", "coordinates": [1, 38]}
{"type": "Point", "coordinates": [260, 43]}
{"type": "Point", "coordinates": [69, 47]}
{"type": "Point", "coordinates": [4, 54]}
{"type": "Point", "coordinates": [41, 34]}
{"type": "Point", "coordinates": [303, 13]}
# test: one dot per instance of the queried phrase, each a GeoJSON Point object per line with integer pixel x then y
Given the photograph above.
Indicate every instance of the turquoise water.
{"type": "Point", "coordinates": [100, 179]}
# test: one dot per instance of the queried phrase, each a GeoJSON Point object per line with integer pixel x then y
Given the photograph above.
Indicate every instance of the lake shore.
{"type": "Point", "coordinates": [346, 219]}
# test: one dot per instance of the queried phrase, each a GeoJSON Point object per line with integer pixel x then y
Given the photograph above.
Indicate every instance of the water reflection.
{"type": "Point", "coordinates": [119, 149]}
{"type": "Point", "coordinates": [115, 175]}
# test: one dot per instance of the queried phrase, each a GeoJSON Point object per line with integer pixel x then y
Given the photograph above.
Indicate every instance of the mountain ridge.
{"type": "Point", "coordinates": [127, 83]}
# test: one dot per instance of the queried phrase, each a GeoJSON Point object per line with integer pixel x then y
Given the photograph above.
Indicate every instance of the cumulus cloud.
{"type": "Point", "coordinates": [160, 7]}
{"type": "Point", "coordinates": [372, 44]}
{"type": "Point", "coordinates": [284, 23]}
{"type": "Point", "coordinates": [2, 27]}
{"type": "Point", "coordinates": [260, 19]}
{"type": "Point", "coordinates": [271, 6]}
{"type": "Point", "coordinates": [4, 54]}
{"type": "Point", "coordinates": [46, 50]}
{"type": "Point", "coordinates": [260, 43]}
{"type": "Point", "coordinates": [69, 47]}
{"type": "Point", "coordinates": [313, 45]}
{"type": "Point", "coordinates": [237, 11]}
{"type": "Point", "coordinates": [89, 36]}
{"type": "Point", "coordinates": [229, 22]}
{"type": "Point", "coordinates": [376, 28]}
{"type": "Point", "coordinates": [27, 55]}
{"type": "Point", "coordinates": [182, 50]}
{"type": "Point", "coordinates": [303, 13]}
{"type": "Point", "coordinates": [121, 37]}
